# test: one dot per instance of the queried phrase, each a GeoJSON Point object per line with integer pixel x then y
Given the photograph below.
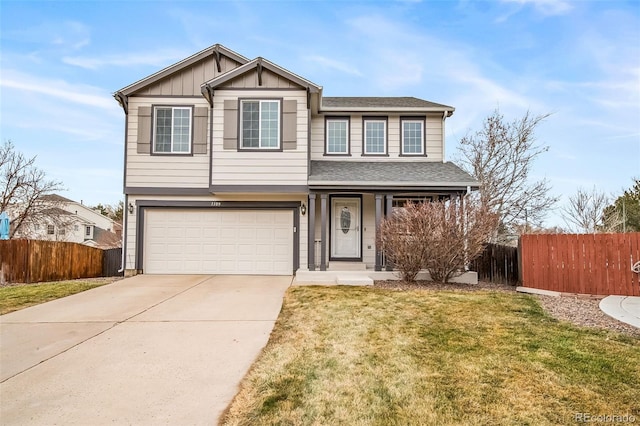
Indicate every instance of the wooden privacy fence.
{"type": "Point", "coordinates": [30, 261]}
{"type": "Point", "coordinates": [497, 264]}
{"type": "Point", "coordinates": [598, 264]}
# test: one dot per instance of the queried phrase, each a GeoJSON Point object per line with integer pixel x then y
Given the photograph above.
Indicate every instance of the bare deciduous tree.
{"type": "Point", "coordinates": [500, 157]}
{"type": "Point", "coordinates": [22, 186]}
{"type": "Point", "coordinates": [441, 237]}
{"type": "Point", "coordinates": [585, 212]}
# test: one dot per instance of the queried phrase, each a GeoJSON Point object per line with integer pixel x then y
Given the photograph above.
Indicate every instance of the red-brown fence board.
{"type": "Point", "coordinates": [30, 261]}
{"type": "Point", "coordinates": [587, 264]}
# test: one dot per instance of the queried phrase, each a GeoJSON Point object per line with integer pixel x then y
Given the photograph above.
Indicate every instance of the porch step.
{"type": "Point", "coordinates": [353, 280]}
{"type": "Point", "coordinates": [346, 266]}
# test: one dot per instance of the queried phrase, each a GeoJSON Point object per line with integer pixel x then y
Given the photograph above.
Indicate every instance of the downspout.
{"type": "Point", "coordinates": [125, 211]}
{"type": "Point", "coordinates": [124, 103]}
{"type": "Point", "coordinates": [444, 117]}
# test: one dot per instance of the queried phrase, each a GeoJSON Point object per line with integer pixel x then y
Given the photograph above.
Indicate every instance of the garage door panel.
{"type": "Point", "coordinates": [218, 241]}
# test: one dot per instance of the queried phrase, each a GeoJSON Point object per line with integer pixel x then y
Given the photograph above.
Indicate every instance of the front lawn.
{"type": "Point", "coordinates": [368, 356]}
{"type": "Point", "coordinates": [13, 298]}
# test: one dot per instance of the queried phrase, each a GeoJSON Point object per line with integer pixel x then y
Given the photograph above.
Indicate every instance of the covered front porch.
{"type": "Point", "coordinates": [349, 199]}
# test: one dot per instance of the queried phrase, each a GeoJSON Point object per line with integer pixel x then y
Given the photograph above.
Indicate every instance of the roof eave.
{"type": "Point", "coordinates": [389, 184]}
{"type": "Point", "coordinates": [449, 111]}
{"type": "Point", "coordinates": [126, 91]}
{"type": "Point", "coordinates": [236, 72]}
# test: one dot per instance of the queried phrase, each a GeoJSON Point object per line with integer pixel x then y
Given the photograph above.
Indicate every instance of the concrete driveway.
{"type": "Point", "coordinates": [150, 349]}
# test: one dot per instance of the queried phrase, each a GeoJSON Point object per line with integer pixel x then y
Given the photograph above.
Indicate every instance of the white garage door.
{"type": "Point", "coordinates": [218, 242]}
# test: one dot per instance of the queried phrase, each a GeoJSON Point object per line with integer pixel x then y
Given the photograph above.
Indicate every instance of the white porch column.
{"type": "Point", "coordinates": [389, 266]}
{"type": "Point", "coordinates": [323, 232]}
{"type": "Point", "coordinates": [311, 247]}
{"type": "Point", "coordinates": [378, 197]}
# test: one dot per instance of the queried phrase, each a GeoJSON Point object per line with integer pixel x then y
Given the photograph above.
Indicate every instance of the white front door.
{"type": "Point", "coordinates": [345, 228]}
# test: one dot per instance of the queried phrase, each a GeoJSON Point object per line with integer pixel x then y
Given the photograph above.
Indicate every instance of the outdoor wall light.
{"type": "Point", "coordinates": [303, 209]}
{"type": "Point", "coordinates": [130, 208]}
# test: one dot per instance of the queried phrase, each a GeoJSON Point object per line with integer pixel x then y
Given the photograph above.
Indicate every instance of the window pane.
{"type": "Point", "coordinates": [181, 121]}
{"type": "Point", "coordinates": [337, 137]}
{"type": "Point", "coordinates": [375, 137]}
{"type": "Point", "coordinates": [269, 122]}
{"type": "Point", "coordinates": [412, 137]}
{"type": "Point", "coordinates": [163, 130]}
{"type": "Point", "coordinates": [250, 124]}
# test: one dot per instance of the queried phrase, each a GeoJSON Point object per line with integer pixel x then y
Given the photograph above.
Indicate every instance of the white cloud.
{"type": "Point", "coordinates": [64, 35]}
{"type": "Point", "coordinates": [328, 63]}
{"type": "Point", "coordinates": [546, 7]}
{"type": "Point", "coordinates": [155, 59]}
{"type": "Point", "coordinates": [59, 89]}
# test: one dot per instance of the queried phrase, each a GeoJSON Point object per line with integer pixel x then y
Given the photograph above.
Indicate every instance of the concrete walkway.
{"type": "Point", "coordinates": [147, 350]}
{"type": "Point", "coordinates": [622, 308]}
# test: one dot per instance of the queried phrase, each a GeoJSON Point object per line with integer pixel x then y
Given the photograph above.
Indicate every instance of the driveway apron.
{"type": "Point", "coordinates": [150, 350]}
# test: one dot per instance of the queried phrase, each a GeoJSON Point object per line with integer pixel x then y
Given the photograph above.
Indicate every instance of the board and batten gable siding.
{"type": "Point", "coordinates": [187, 82]}
{"type": "Point", "coordinates": [250, 80]}
{"type": "Point", "coordinates": [166, 171]}
{"type": "Point", "coordinates": [234, 167]}
{"type": "Point", "coordinates": [433, 132]}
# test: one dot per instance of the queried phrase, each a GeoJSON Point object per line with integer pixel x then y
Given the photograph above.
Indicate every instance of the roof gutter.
{"type": "Point", "coordinates": [448, 112]}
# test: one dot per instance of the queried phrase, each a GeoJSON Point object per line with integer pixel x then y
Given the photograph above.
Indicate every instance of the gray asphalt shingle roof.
{"type": "Point", "coordinates": [379, 102]}
{"type": "Point", "coordinates": [389, 173]}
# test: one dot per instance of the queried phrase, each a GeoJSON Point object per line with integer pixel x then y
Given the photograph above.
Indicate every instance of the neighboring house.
{"type": "Point", "coordinates": [240, 166]}
{"type": "Point", "coordinates": [62, 219]}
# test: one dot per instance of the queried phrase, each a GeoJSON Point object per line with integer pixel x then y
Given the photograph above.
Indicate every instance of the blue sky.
{"type": "Point", "coordinates": [61, 61]}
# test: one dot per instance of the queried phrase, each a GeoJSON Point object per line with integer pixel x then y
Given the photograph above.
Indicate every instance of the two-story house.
{"type": "Point", "coordinates": [238, 166]}
{"type": "Point", "coordinates": [57, 218]}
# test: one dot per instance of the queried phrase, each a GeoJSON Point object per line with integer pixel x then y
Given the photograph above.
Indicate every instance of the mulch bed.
{"type": "Point", "coordinates": [579, 310]}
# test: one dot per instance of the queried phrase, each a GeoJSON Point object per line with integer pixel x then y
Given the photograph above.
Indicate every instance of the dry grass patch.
{"type": "Point", "coordinates": [341, 355]}
{"type": "Point", "coordinates": [15, 297]}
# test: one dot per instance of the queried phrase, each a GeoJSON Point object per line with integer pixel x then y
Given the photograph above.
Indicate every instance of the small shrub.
{"type": "Point", "coordinates": [441, 237]}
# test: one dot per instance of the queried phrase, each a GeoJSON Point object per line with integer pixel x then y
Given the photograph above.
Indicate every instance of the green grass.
{"type": "Point", "coordinates": [355, 356]}
{"type": "Point", "coordinates": [17, 297]}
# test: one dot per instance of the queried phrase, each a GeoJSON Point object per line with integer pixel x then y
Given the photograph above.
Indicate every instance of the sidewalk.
{"type": "Point", "coordinates": [622, 308]}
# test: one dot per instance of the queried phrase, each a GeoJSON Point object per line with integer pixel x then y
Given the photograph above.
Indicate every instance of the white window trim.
{"type": "Point", "coordinates": [155, 128]}
{"type": "Point", "coordinates": [364, 136]}
{"type": "Point", "coordinates": [279, 134]}
{"type": "Point", "coordinates": [347, 150]}
{"type": "Point", "coordinates": [422, 144]}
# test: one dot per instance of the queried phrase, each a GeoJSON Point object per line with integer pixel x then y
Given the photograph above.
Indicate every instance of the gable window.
{"type": "Point", "coordinates": [375, 136]}
{"type": "Point", "coordinates": [260, 124]}
{"type": "Point", "coordinates": [337, 136]}
{"type": "Point", "coordinates": [50, 229]}
{"type": "Point", "coordinates": [87, 231]}
{"type": "Point", "coordinates": [172, 130]}
{"type": "Point", "coordinates": [412, 137]}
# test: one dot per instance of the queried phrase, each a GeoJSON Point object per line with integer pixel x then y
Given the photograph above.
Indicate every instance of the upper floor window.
{"type": "Point", "coordinates": [412, 137]}
{"type": "Point", "coordinates": [50, 229]}
{"type": "Point", "coordinates": [172, 130]}
{"type": "Point", "coordinates": [337, 136]}
{"type": "Point", "coordinates": [375, 136]}
{"type": "Point", "coordinates": [260, 124]}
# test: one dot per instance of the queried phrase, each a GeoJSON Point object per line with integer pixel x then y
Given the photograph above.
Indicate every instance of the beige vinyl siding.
{"type": "Point", "coordinates": [187, 82]}
{"type": "Point", "coordinates": [130, 254]}
{"type": "Point", "coordinates": [233, 167]}
{"type": "Point", "coordinates": [433, 125]}
{"type": "Point", "coordinates": [172, 171]}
